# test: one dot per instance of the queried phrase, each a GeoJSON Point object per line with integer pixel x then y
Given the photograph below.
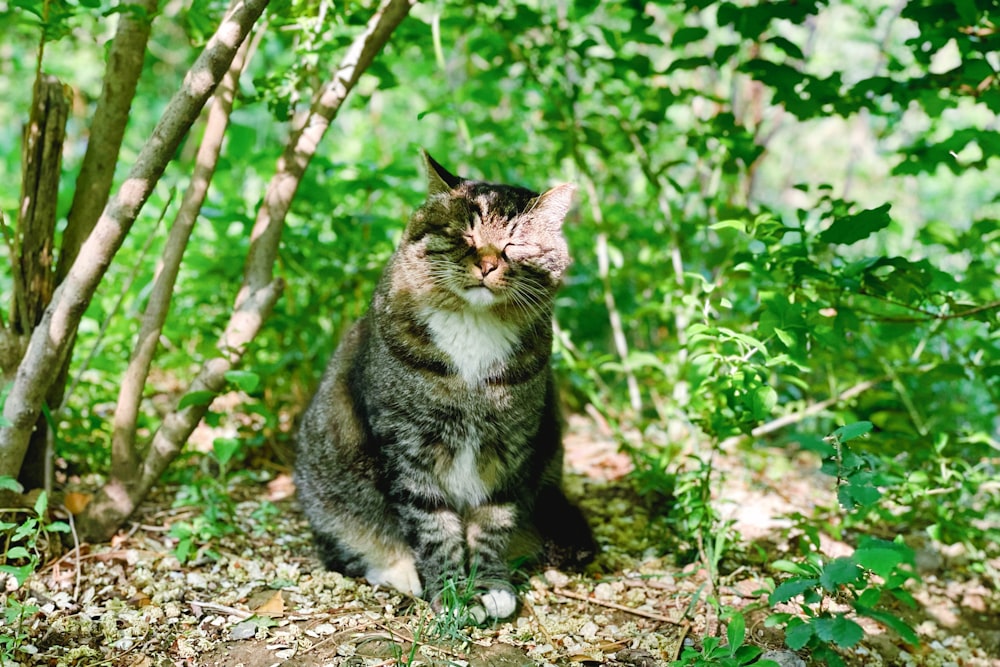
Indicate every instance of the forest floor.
{"type": "Point", "coordinates": [260, 598]}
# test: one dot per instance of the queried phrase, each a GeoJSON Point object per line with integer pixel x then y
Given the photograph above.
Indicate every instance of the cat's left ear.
{"type": "Point", "coordinates": [439, 179]}
{"type": "Point", "coordinates": [553, 205]}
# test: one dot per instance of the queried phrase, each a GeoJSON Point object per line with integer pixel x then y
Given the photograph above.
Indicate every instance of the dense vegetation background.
{"type": "Point", "coordinates": [787, 223]}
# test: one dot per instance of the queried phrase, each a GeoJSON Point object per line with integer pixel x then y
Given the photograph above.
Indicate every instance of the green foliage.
{"type": "Point", "coordinates": [788, 215]}
{"type": "Point", "coordinates": [873, 575]}
{"type": "Point", "coordinates": [734, 653]}
{"type": "Point", "coordinates": [25, 535]}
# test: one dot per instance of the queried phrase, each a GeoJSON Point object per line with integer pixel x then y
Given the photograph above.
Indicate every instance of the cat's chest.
{"type": "Point", "coordinates": [475, 341]}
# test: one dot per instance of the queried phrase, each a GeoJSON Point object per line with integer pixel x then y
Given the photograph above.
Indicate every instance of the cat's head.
{"type": "Point", "coordinates": [488, 244]}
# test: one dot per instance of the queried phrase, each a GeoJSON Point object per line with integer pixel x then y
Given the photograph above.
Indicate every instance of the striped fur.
{"type": "Point", "coordinates": [433, 437]}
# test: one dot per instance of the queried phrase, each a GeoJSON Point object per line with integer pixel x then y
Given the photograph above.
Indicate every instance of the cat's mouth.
{"type": "Point", "coordinates": [479, 295]}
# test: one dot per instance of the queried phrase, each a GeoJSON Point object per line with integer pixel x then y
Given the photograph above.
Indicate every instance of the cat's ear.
{"type": "Point", "coordinates": [553, 204]}
{"type": "Point", "coordinates": [439, 179]}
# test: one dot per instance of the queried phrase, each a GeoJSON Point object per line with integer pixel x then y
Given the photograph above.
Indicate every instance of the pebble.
{"type": "Point", "coordinates": [784, 658]}
{"type": "Point", "coordinates": [588, 630]}
{"type": "Point", "coordinates": [556, 578]}
{"type": "Point", "coordinates": [604, 591]}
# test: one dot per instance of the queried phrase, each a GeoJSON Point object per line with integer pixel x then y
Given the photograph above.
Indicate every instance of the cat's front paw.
{"type": "Point", "coordinates": [495, 603]}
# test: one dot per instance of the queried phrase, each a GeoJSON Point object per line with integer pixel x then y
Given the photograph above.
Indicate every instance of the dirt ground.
{"type": "Point", "coordinates": [260, 598]}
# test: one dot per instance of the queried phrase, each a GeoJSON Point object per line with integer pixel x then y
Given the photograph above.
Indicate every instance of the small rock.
{"type": "Point", "coordinates": [604, 591]}
{"type": "Point", "coordinates": [197, 580]}
{"type": "Point", "coordinates": [245, 630]}
{"type": "Point", "coordinates": [588, 630]}
{"type": "Point", "coordinates": [556, 578]}
{"type": "Point", "coordinates": [784, 658]}
{"type": "Point", "coordinates": [636, 658]}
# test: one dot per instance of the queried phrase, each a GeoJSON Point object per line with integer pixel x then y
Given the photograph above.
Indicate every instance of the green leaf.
{"type": "Point", "coordinates": [788, 47]}
{"type": "Point", "coordinates": [687, 35]}
{"type": "Point", "coordinates": [790, 566]}
{"type": "Point", "coordinates": [852, 431]}
{"type": "Point", "coordinates": [840, 571]}
{"type": "Point", "coordinates": [796, 638]}
{"type": "Point", "coordinates": [196, 398]}
{"type": "Point", "coordinates": [8, 483]}
{"type": "Point", "coordinates": [41, 503]}
{"type": "Point", "coordinates": [225, 448]}
{"type": "Point", "coordinates": [840, 630]}
{"type": "Point", "coordinates": [852, 228]}
{"type": "Point", "coordinates": [868, 598]}
{"type": "Point", "coordinates": [736, 632]}
{"type": "Point", "coordinates": [248, 381]}
{"type": "Point", "coordinates": [20, 573]}
{"type": "Point", "coordinates": [730, 224]}
{"type": "Point", "coordinates": [881, 561]}
{"type": "Point", "coordinates": [17, 552]}
{"type": "Point", "coordinates": [893, 622]}
{"type": "Point", "coordinates": [789, 589]}
{"type": "Point", "coordinates": [764, 400]}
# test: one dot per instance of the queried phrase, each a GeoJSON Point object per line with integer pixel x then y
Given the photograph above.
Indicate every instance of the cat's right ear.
{"type": "Point", "coordinates": [439, 179]}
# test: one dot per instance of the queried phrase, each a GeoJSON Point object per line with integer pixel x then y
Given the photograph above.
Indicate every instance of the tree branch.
{"type": "Point", "coordinates": [266, 234]}
{"type": "Point", "coordinates": [50, 340]}
{"type": "Point", "coordinates": [259, 291]}
{"type": "Point", "coordinates": [93, 183]}
{"type": "Point", "coordinates": [124, 457]}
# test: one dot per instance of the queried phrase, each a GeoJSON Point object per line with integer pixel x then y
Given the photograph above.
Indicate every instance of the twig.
{"type": "Point", "coordinates": [612, 605]}
{"type": "Point", "coordinates": [398, 634]}
{"type": "Point", "coordinates": [222, 609]}
{"type": "Point", "coordinates": [685, 628]}
{"type": "Point", "coordinates": [76, 561]}
{"type": "Point", "coordinates": [814, 408]}
{"type": "Point", "coordinates": [531, 610]}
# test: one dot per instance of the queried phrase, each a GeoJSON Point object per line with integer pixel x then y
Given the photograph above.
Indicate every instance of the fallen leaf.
{"type": "Point", "coordinates": [274, 606]}
{"type": "Point", "coordinates": [75, 501]}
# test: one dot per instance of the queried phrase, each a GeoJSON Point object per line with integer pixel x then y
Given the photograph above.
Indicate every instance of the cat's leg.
{"type": "Point", "coordinates": [488, 531]}
{"type": "Point", "coordinates": [437, 536]}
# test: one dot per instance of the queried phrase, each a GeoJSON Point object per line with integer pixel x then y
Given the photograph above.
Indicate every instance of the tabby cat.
{"type": "Point", "coordinates": [434, 439]}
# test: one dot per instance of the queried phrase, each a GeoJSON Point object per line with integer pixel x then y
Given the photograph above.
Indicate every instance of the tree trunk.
{"type": "Point", "coordinates": [260, 290]}
{"type": "Point", "coordinates": [41, 151]}
{"type": "Point", "coordinates": [97, 171]}
{"type": "Point", "coordinates": [52, 337]}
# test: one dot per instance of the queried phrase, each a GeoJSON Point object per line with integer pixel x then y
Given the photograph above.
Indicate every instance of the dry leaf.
{"type": "Point", "coordinates": [274, 606]}
{"type": "Point", "coordinates": [76, 502]}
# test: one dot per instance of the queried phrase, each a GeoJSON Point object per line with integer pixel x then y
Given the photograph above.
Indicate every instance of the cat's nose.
{"type": "Point", "coordinates": [488, 264]}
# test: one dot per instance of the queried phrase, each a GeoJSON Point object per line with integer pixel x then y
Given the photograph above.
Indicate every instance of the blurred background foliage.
{"type": "Point", "coordinates": [778, 202]}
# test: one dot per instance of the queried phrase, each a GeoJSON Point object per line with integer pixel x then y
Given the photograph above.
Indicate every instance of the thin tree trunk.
{"type": "Point", "coordinates": [97, 171]}
{"type": "Point", "coordinates": [124, 456]}
{"type": "Point", "coordinates": [51, 338]}
{"type": "Point", "coordinates": [93, 183]}
{"type": "Point", "coordinates": [259, 291]}
{"type": "Point", "coordinates": [41, 159]}
{"type": "Point", "coordinates": [41, 152]}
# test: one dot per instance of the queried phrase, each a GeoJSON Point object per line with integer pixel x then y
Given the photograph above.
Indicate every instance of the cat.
{"type": "Point", "coordinates": [434, 438]}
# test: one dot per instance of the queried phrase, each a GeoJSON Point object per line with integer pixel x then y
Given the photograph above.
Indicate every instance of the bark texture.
{"type": "Point", "coordinates": [93, 184]}
{"type": "Point", "coordinates": [51, 339]}
{"type": "Point", "coordinates": [32, 256]}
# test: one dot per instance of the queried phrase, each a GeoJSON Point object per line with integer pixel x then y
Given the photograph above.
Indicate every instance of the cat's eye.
{"type": "Point", "coordinates": [518, 251]}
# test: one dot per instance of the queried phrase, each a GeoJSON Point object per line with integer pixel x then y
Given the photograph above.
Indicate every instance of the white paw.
{"type": "Point", "coordinates": [401, 575]}
{"type": "Point", "coordinates": [498, 603]}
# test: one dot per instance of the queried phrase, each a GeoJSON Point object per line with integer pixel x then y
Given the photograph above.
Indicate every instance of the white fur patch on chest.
{"type": "Point", "coordinates": [475, 340]}
{"type": "Point", "coordinates": [463, 482]}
